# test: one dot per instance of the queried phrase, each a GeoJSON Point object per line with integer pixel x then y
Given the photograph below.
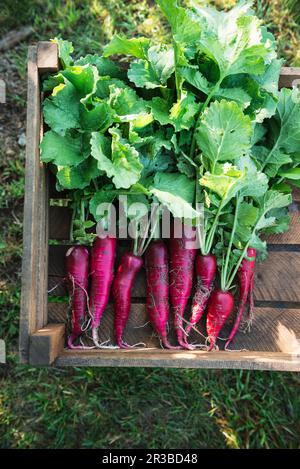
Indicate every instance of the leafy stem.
{"type": "Point", "coordinates": [211, 234]}
{"type": "Point", "coordinates": [177, 77]}
{"type": "Point", "coordinates": [225, 267]}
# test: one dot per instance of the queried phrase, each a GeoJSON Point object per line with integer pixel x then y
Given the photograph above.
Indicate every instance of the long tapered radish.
{"type": "Point", "coordinates": [182, 257]}
{"type": "Point", "coordinates": [246, 282]}
{"type": "Point", "coordinates": [129, 266]}
{"type": "Point", "coordinates": [220, 307]}
{"type": "Point", "coordinates": [206, 268]}
{"type": "Point", "coordinates": [101, 268]}
{"type": "Point", "coordinates": [157, 276]}
{"type": "Point", "coordinates": [77, 266]}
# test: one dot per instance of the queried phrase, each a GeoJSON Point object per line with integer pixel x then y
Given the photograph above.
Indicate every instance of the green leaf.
{"type": "Point", "coordinates": [195, 78]}
{"type": "Point", "coordinates": [185, 28]}
{"type": "Point", "coordinates": [185, 167]}
{"type": "Point", "coordinates": [288, 116]}
{"type": "Point", "coordinates": [293, 173]}
{"type": "Point", "coordinates": [270, 162]}
{"type": "Point", "coordinates": [98, 118]}
{"type": "Point", "coordinates": [126, 103]}
{"type": "Point", "coordinates": [228, 181]}
{"type": "Point", "coordinates": [84, 78]}
{"type": "Point", "coordinates": [65, 49]}
{"type": "Point", "coordinates": [233, 40]}
{"type": "Point", "coordinates": [105, 67]}
{"type": "Point", "coordinates": [106, 195]}
{"type": "Point", "coordinates": [239, 95]}
{"type": "Point", "coordinates": [116, 158]}
{"type": "Point", "coordinates": [183, 112]}
{"type": "Point", "coordinates": [155, 71]}
{"type": "Point", "coordinates": [62, 150]}
{"type": "Point", "coordinates": [270, 201]}
{"type": "Point", "coordinates": [78, 177]}
{"type": "Point", "coordinates": [137, 47]}
{"type": "Point", "coordinates": [176, 192]}
{"type": "Point", "coordinates": [61, 110]}
{"type": "Point", "coordinates": [160, 110]}
{"type": "Point", "coordinates": [224, 133]}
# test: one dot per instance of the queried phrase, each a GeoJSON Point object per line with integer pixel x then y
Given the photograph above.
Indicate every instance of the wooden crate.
{"type": "Point", "coordinates": [273, 344]}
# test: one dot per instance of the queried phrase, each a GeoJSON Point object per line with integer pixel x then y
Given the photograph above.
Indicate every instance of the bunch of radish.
{"type": "Point", "coordinates": [195, 125]}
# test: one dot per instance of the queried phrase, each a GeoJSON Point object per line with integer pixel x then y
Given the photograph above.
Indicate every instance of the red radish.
{"type": "Point", "coordinates": [246, 284]}
{"type": "Point", "coordinates": [77, 265]}
{"type": "Point", "coordinates": [206, 268]}
{"type": "Point", "coordinates": [220, 306]}
{"type": "Point", "coordinates": [157, 275]}
{"type": "Point", "coordinates": [129, 266]}
{"type": "Point", "coordinates": [182, 257]}
{"type": "Point", "coordinates": [101, 267]}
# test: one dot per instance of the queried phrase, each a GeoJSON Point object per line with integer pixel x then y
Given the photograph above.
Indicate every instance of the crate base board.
{"type": "Point", "coordinates": [46, 344]}
{"type": "Point", "coordinates": [181, 359]}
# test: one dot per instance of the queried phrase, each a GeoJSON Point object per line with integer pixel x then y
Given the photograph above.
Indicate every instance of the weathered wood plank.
{"type": "Point", "coordinates": [289, 77]}
{"type": "Point", "coordinates": [273, 329]}
{"type": "Point", "coordinates": [59, 223]}
{"type": "Point", "coordinates": [278, 277]}
{"type": "Point", "coordinates": [181, 359]}
{"type": "Point", "coordinates": [47, 56]}
{"type": "Point", "coordinates": [133, 333]}
{"type": "Point", "coordinates": [46, 344]}
{"type": "Point", "coordinates": [31, 227]}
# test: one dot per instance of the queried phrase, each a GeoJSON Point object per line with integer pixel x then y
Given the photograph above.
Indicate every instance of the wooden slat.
{"type": "Point", "coordinates": [181, 359]}
{"type": "Point", "coordinates": [47, 57]}
{"type": "Point", "coordinates": [59, 223]}
{"type": "Point", "coordinates": [278, 277]}
{"type": "Point", "coordinates": [290, 76]}
{"type": "Point", "coordinates": [31, 223]}
{"type": "Point", "coordinates": [272, 330]}
{"type": "Point", "coordinates": [133, 332]}
{"type": "Point", "coordinates": [46, 344]}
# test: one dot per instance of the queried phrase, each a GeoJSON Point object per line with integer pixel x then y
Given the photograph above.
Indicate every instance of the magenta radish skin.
{"type": "Point", "coordinates": [127, 271]}
{"type": "Point", "coordinates": [77, 266]}
{"type": "Point", "coordinates": [182, 258]}
{"type": "Point", "coordinates": [157, 278]}
{"type": "Point", "coordinates": [246, 283]}
{"type": "Point", "coordinates": [220, 306]}
{"type": "Point", "coordinates": [101, 270]}
{"type": "Point", "coordinates": [206, 269]}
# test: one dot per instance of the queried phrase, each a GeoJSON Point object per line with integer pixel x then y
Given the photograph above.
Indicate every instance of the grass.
{"type": "Point", "coordinates": [119, 408]}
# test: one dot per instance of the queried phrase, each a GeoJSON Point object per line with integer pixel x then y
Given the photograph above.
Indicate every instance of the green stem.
{"type": "Point", "coordinates": [72, 224]}
{"type": "Point", "coordinates": [212, 230]}
{"type": "Point", "coordinates": [225, 269]}
{"type": "Point", "coordinates": [135, 244]}
{"type": "Point", "coordinates": [177, 78]}
{"type": "Point", "coordinates": [201, 112]}
{"type": "Point", "coordinates": [82, 211]}
{"type": "Point", "coordinates": [228, 286]}
{"type": "Point", "coordinates": [270, 154]}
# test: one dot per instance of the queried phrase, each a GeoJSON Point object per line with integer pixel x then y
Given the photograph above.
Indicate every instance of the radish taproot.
{"type": "Point", "coordinates": [246, 282]}
{"type": "Point", "coordinates": [206, 268]}
{"type": "Point", "coordinates": [101, 268]}
{"type": "Point", "coordinates": [130, 265]}
{"type": "Point", "coordinates": [182, 257]}
{"type": "Point", "coordinates": [157, 277]}
{"type": "Point", "coordinates": [77, 266]}
{"type": "Point", "coordinates": [220, 307]}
